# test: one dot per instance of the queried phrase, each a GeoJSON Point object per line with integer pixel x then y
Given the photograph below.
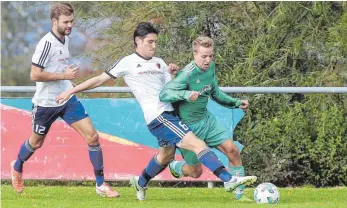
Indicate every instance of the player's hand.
{"type": "Point", "coordinates": [64, 96]}
{"type": "Point", "coordinates": [244, 105]}
{"type": "Point", "coordinates": [194, 96]}
{"type": "Point", "coordinates": [173, 69]}
{"type": "Point", "coordinates": [71, 72]}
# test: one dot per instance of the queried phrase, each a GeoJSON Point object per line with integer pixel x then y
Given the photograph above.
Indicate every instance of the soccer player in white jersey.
{"type": "Point", "coordinates": [51, 72]}
{"type": "Point", "coordinates": [146, 76]}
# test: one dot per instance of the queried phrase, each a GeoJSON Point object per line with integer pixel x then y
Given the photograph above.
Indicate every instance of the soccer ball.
{"type": "Point", "coordinates": [266, 193]}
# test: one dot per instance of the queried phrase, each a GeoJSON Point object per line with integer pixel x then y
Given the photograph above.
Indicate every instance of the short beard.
{"type": "Point", "coordinates": [62, 31]}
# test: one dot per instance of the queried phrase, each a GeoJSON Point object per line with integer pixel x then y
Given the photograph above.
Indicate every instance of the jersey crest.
{"type": "Point", "coordinates": [205, 89]}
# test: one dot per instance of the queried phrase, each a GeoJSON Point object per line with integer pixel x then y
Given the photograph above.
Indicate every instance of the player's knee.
{"type": "Point", "coordinates": [166, 159]}
{"type": "Point", "coordinates": [36, 141]}
{"type": "Point", "coordinates": [93, 139]}
{"type": "Point", "coordinates": [37, 145]}
{"type": "Point", "coordinates": [234, 151]}
{"type": "Point", "coordinates": [190, 139]}
{"type": "Point", "coordinates": [196, 172]}
{"type": "Point", "coordinates": [198, 145]}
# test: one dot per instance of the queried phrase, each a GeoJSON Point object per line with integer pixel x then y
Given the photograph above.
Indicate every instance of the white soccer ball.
{"type": "Point", "coordinates": [266, 193]}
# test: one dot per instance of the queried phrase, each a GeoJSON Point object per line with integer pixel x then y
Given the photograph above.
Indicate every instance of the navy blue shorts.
{"type": "Point", "coordinates": [43, 117]}
{"type": "Point", "coordinates": [168, 129]}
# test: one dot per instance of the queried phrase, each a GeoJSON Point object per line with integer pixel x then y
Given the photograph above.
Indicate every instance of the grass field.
{"type": "Point", "coordinates": [84, 197]}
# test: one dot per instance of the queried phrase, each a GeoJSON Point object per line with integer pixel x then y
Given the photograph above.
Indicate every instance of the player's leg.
{"type": "Point", "coordinates": [42, 118]}
{"type": "Point", "coordinates": [208, 158]}
{"type": "Point", "coordinates": [229, 148]}
{"type": "Point", "coordinates": [155, 166]}
{"type": "Point", "coordinates": [205, 155]}
{"type": "Point", "coordinates": [168, 136]}
{"type": "Point", "coordinates": [219, 137]}
{"type": "Point", "coordinates": [76, 116]}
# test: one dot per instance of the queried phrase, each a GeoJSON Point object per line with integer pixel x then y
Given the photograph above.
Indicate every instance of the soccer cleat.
{"type": "Point", "coordinates": [238, 181]}
{"type": "Point", "coordinates": [173, 172]}
{"type": "Point", "coordinates": [140, 191]}
{"type": "Point", "coordinates": [17, 181]}
{"type": "Point", "coordinates": [106, 190]}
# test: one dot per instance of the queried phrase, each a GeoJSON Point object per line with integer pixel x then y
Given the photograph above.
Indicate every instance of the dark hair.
{"type": "Point", "coordinates": [58, 9]}
{"type": "Point", "coordinates": [143, 29]}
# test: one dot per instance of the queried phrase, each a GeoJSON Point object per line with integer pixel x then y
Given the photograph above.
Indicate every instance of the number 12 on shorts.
{"type": "Point", "coordinates": [40, 129]}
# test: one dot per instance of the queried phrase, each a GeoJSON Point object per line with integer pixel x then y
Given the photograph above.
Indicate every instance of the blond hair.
{"type": "Point", "coordinates": [58, 9]}
{"type": "Point", "coordinates": [202, 41]}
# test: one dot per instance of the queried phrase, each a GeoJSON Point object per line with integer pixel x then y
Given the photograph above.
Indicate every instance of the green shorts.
{"type": "Point", "coordinates": [208, 130]}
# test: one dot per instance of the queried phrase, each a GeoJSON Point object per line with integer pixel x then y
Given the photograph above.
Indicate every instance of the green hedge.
{"type": "Point", "coordinates": [305, 143]}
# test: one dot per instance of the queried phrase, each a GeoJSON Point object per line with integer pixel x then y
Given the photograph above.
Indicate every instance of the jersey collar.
{"type": "Point", "coordinates": [198, 68]}
{"type": "Point", "coordinates": [142, 56]}
{"type": "Point", "coordinates": [62, 42]}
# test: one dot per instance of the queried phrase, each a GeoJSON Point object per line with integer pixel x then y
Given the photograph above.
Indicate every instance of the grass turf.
{"type": "Point", "coordinates": [84, 197]}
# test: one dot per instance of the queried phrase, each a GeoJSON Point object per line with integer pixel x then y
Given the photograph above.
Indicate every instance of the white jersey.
{"type": "Point", "coordinates": [146, 79]}
{"type": "Point", "coordinates": [51, 55]}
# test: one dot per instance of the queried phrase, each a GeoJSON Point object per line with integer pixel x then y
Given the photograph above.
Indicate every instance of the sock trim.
{"type": "Point", "coordinates": [94, 148]}
{"type": "Point", "coordinates": [156, 161]}
{"type": "Point", "coordinates": [203, 152]}
{"type": "Point", "coordinates": [146, 176]}
{"type": "Point", "coordinates": [171, 126]}
{"type": "Point", "coordinates": [99, 172]}
{"type": "Point", "coordinates": [28, 146]}
{"type": "Point", "coordinates": [219, 170]}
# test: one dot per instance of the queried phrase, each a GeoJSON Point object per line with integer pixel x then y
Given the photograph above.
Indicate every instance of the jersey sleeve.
{"type": "Point", "coordinates": [118, 69]}
{"type": "Point", "coordinates": [42, 54]}
{"type": "Point", "coordinates": [176, 89]}
{"type": "Point", "coordinates": [221, 97]}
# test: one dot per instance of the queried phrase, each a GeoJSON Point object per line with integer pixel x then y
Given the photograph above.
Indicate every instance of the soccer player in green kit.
{"type": "Point", "coordinates": [189, 92]}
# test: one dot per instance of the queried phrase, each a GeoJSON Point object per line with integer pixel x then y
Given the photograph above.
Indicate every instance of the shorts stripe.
{"type": "Point", "coordinates": [171, 126]}
{"type": "Point", "coordinates": [33, 113]}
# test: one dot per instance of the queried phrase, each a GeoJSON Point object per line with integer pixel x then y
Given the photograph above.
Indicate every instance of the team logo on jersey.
{"type": "Point", "coordinates": [198, 81]}
{"type": "Point", "coordinates": [138, 65]}
{"type": "Point", "coordinates": [158, 65]}
{"type": "Point", "coordinates": [205, 89]}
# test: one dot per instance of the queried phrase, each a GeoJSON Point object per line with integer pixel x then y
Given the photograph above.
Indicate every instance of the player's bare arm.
{"type": "Point", "coordinates": [37, 74]}
{"type": "Point", "coordinates": [86, 85]}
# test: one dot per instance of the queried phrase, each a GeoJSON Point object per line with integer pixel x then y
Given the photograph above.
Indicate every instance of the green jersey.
{"type": "Point", "coordinates": [192, 78]}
